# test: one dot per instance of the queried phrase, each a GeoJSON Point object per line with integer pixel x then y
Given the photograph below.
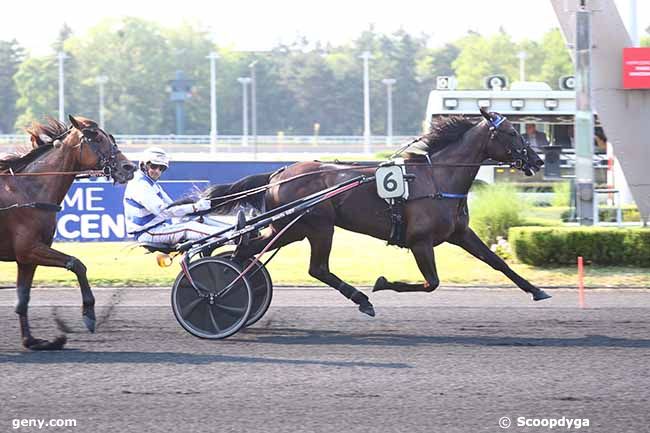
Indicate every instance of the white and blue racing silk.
{"type": "Point", "coordinates": [146, 205]}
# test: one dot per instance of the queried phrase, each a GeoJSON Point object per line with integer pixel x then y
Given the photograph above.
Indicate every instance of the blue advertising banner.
{"type": "Point", "coordinates": [93, 210]}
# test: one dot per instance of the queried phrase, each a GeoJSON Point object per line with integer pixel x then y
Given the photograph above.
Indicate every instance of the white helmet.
{"type": "Point", "coordinates": [154, 155]}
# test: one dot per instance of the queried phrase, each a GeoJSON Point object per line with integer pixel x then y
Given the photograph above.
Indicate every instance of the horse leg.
{"type": "Point", "coordinates": [23, 288]}
{"type": "Point", "coordinates": [470, 242]}
{"type": "Point", "coordinates": [424, 257]}
{"type": "Point", "coordinates": [321, 246]}
{"type": "Point", "coordinates": [255, 246]}
{"type": "Point", "coordinates": [43, 255]}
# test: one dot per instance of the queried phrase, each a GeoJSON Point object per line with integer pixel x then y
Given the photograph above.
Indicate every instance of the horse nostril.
{"type": "Point", "coordinates": [128, 166]}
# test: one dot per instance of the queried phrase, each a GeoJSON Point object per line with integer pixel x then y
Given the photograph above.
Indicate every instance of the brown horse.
{"type": "Point", "coordinates": [435, 212]}
{"type": "Point", "coordinates": [31, 188]}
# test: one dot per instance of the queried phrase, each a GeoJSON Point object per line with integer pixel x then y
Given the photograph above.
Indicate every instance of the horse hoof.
{"type": "Point", "coordinates": [32, 343]}
{"type": "Point", "coordinates": [90, 323]}
{"type": "Point", "coordinates": [540, 295]}
{"type": "Point", "coordinates": [368, 309]}
{"type": "Point", "coordinates": [380, 284]}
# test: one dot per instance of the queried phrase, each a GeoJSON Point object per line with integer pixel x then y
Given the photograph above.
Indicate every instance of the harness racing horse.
{"type": "Point", "coordinates": [436, 211]}
{"type": "Point", "coordinates": [32, 186]}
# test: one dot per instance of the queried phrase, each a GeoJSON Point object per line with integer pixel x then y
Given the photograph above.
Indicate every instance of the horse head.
{"type": "Point", "coordinates": [507, 145]}
{"type": "Point", "coordinates": [98, 150]}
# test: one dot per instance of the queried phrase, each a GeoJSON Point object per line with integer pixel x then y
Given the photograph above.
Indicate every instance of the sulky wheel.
{"type": "Point", "coordinates": [211, 309]}
{"type": "Point", "coordinates": [261, 286]}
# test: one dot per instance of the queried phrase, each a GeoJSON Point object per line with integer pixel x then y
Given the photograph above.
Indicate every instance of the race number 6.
{"type": "Point", "coordinates": [390, 182]}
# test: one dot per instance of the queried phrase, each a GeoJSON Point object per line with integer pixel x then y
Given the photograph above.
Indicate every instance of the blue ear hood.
{"type": "Point", "coordinates": [497, 120]}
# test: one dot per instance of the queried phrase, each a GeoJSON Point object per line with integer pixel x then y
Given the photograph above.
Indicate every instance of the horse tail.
{"type": "Point", "coordinates": [246, 193]}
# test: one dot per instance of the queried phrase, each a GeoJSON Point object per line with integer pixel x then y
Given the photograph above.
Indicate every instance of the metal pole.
{"type": "Point", "coordinates": [61, 56]}
{"type": "Point", "coordinates": [633, 27]}
{"type": "Point", "coordinates": [366, 102]}
{"type": "Point", "coordinates": [389, 115]}
{"type": "Point", "coordinates": [180, 123]}
{"type": "Point", "coordinates": [584, 119]}
{"type": "Point", "coordinates": [522, 65]}
{"type": "Point", "coordinates": [254, 107]}
{"type": "Point", "coordinates": [213, 101]}
{"type": "Point", "coordinates": [244, 82]}
{"type": "Point", "coordinates": [101, 80]}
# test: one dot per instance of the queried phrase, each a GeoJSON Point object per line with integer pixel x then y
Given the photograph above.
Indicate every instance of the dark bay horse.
{"type": "Point", "coordinates": [435, 212]}
{"type": "Point", "coordinates": [32, 186]}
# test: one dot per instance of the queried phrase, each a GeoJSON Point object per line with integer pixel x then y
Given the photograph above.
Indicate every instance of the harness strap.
{"type": "Point", "coordinates": [443, 195]}
{"type": "Point", "coordinates": [50, 207]}
{"type": "Point", "coordinates": [88, 173]}
{"type": "Point", "coordinates": [438, 195]}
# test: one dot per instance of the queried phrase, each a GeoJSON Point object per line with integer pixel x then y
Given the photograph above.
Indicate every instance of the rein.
{"type": "Point", "coordinates": [88, 173]}
{"type": "Point", "coordinates": [494, 126]}
{"type": "Point", "coordinates": [105, 160]}
{"type": "Point", "coordinates": [34, 205]}
{"type": "Point", "coordinates": [231, 198]}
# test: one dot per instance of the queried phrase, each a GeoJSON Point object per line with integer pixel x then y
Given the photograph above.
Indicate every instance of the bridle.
{"type": "Point", "coordinates": [518, 154]}
{"type": "Point", "coordinates": [106, 160]}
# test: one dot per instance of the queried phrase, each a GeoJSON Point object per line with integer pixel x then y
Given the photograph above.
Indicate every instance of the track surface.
{"type": "Point", "coordinates": [452, 361]}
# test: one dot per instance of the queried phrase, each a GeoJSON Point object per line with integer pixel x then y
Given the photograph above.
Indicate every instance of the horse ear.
{"type": "Point", "coordinates": [485, 114]}
{"type": "Point", "coordinates": [74, 122]}
{"type": "Point", "coordinates": [90, 133]}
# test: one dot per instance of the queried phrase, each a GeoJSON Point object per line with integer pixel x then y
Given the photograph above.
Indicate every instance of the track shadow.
{"type": "Point", "coordinates": [292, 336]}
{"type": "Point", "coordinates": [67, 356]}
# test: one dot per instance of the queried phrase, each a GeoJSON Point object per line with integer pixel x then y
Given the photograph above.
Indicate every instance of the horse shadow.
{"type": "Point", "coordinates": [76, 356]}
{"type": "Point", "coordinates": [296, 336]}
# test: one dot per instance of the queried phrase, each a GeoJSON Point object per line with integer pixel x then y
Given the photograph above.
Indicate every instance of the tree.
{"type": "Point", "coordinates": [11, 55]}
{"type": "Point", "coordinates": [645, 40]}
{"type": "Point", "coordinates": [298, 84]}
{"type": "Point", "coordinates": [37, 84]}
{"type": "Point", "coordinates": [480, 57]}
{"type": "Point", "coordinates": [436, 63]}
{"type": "Point", "coordinates": [398, 58]}
{"type": "Point", "coordinates": [557, 61]}
{"type": "Point", "coordinates": [532, 62]}
{"type": "Point", "coordinates": [138, 61]}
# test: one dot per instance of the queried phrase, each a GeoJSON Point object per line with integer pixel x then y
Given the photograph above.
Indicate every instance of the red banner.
{"type": "Point", "coordinates": [636, 68]}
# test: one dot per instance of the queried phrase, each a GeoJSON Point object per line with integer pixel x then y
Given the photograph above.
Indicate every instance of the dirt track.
{"type": "Point", "coordinates": [452, 361]}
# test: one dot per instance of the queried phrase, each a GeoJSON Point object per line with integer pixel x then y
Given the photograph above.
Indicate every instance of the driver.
{"type": "Point", "coordinates": [149, 218]}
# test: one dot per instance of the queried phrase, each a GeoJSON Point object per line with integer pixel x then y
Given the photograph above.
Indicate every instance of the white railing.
{"type": "Point", "coordinates": [236, 143]}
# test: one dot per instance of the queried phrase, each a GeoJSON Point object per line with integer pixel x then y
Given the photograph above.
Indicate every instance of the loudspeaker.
{"type": "Point", "coordinates": [567, 82]}
{"type": "Point", "coordinates": [496, 82]}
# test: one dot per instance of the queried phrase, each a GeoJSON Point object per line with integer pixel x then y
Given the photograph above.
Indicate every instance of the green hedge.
{"type": "Point", "coordinates": [561, 246]}
{"type": "Point", "coordinates": [494, 209]}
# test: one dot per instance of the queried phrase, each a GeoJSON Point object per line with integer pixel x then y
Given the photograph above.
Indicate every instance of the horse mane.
{"type": "Point", "coordinates": [443, 131]}
{"type": "Point", "coordinates": [18, 161]}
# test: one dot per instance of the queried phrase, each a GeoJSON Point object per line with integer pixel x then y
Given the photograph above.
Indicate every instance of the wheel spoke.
{"type": "Point", "coordinates": [212, 273]}
{"type": "Point", "coordinates": [213, 320]}
{"type": "Point", "coordinates": [259, 288]}
{"type": "Point", "coordinates": [253, 272]}
{"type": "Point", "coordinates": [189, 308]}
{"type": "Point", "coordinates": [232, 311]}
